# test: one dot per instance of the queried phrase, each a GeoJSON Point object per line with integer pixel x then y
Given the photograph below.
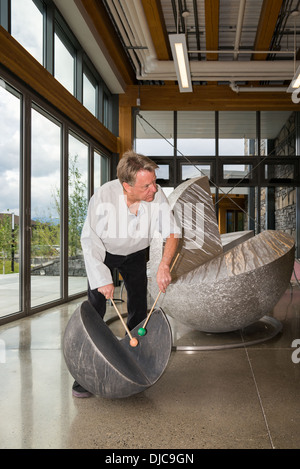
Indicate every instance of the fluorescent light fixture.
{"type": "Point", "coordinates": [181, 62]}
{"type": "Point", "coordinates": [295, 83]}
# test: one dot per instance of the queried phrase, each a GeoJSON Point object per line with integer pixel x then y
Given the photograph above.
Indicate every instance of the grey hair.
{"type": "Point", "coordinates": [130, 164]}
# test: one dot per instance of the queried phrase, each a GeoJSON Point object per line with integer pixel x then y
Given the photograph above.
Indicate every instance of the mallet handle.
{"type": "Point", "coordinates": [145, 324]}
{"type": "Point", "coordinates": [122, 320]}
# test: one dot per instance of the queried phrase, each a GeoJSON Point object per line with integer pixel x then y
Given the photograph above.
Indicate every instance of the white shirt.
{"type": "Point", "coordinates": [111, 227]}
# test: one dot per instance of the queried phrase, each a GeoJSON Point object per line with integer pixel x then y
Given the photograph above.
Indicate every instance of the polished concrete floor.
{"type": "Point", "coordinates": [236, 390]}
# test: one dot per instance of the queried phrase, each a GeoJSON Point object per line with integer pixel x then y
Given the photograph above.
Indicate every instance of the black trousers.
{"type": "Point", "coordinates": [133, 269]}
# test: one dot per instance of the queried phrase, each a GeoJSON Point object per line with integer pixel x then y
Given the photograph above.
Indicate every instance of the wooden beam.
{"type": "Point", "coordinates": [205, 98]}
{"type": "Point", "coordinates": [212, 9]}
{"type": "Point", "coordinates": [126, 129]}
{"type": "Point", "coordinates": [268, 18]}
{"type": "Point", "coordinates": [22, 64]}
{"type": "Point", "coordinates": [155, 19]}
{"type": "Point", "coordinates": [98, 20]}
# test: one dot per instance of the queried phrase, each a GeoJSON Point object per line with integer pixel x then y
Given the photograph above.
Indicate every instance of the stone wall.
{"type": "Point", "coordinates": [76, 268]}
{"type": "Point", "coordinates": [285, 197]}
{"type": "Point", "coordinates": [285, 210]}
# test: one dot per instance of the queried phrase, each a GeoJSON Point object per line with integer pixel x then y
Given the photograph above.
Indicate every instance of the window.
{"type": "Point", "coordinates": [45, 209]}
{"type": "Point", "coordinates": [10, 252]}
{"type": "Point", "coordinates": [101, 170]}
{"type": "Point", "coordinates": [27, 26]}
{"type": "Point", "coordinates": [196, 133]}
{"type": "Point", "coordinates": [154, 133]}
{"type": "Point", "coordinates": [39, 27]}
{"type": "Point", "coordinates": [77, 210]}
{"type": "Point", "coordinates": [236, 132]}
{"type": "Point", "coordinates": [89, 93]}
{"type": "Point", "coordinates": [64, 62]}
{"type": "Point", "coordinates": [189, 171]}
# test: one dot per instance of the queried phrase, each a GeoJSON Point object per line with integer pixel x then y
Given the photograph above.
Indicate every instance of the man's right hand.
{"type": "Point", "coordinates": [107, 291]}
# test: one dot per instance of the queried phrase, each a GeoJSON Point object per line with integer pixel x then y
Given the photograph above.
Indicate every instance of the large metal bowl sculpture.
{"type": "Point", "coordinates": [109, 367]}
{"type": "Point", "coordinates": [216, 289]}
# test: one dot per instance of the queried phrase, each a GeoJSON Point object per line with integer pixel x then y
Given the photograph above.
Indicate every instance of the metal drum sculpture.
{"type": "Point", "coordinates": [218, 289]}
{"type": "Point", "coordinates": [109, 367]}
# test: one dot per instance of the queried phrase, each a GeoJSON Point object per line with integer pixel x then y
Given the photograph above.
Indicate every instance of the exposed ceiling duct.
{"type": "Point", "coordinates": [134, 29]}
{"type": "Point", "coordinates": [255, 42]}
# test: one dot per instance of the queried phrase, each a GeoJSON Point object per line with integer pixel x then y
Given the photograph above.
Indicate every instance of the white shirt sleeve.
{"type": "Point", "coordinates": [94, 251]}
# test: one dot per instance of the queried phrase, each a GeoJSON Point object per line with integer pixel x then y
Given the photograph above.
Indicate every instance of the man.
{"type": "Point", "coordinates": [123, 216]}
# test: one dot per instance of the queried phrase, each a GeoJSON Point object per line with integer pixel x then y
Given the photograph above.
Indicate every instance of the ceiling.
{"type": "Point", "coordinates": [242, 43]}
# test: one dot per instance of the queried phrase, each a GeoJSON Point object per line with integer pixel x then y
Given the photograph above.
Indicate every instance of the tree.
{"type": "Point", "coordinates": [45, 239]}
{"type": "Point", "coordinates": [7, 240]}
{"type": "Point", "coordinates": [77, 207]}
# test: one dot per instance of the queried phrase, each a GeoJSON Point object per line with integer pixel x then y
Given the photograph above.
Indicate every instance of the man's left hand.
{"type": "Point", "coordinates": [163, 277]}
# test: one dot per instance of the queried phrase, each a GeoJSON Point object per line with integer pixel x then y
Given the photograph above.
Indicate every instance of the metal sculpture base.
{"type": "Point", "coordinates": [265, 329]}
{"type": "Point", "coordinates": [109, 367]}
{"type": "Point", "coordinates": [261, 331]}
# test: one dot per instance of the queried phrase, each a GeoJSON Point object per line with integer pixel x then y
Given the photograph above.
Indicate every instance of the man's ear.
{"type": "Point", "coordinates": [127, 187]}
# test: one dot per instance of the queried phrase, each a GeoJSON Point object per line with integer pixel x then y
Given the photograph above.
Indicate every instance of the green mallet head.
{"type": "Point", "coordinates": [142, 331]}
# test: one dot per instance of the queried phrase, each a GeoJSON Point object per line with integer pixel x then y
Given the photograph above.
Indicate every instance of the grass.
{"type": "Point", "coordinates": [7, 265]}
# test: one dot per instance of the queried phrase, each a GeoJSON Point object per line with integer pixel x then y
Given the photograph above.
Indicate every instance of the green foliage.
{"type": "Point", "coordinates": [45, 239]}
{"type": "Point", "coordinates": [5, 267]}
{"type": "Point", "coordinates": [77, 206]}
{"type": "Point", "coordinates": [8, 238]}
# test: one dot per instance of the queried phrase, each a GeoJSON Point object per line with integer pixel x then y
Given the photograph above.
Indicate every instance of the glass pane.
{"type": "Point", "coordinates": [101, 170]}
{"type": "Point", "coordinates": [154, 133]}
{"type": "Point", "coordinates": [10, 120]}
{"type": "Point", "coordinates": [45, 209]}
{"type": "Point", "coordinates": [236, 171]}
{"type": "Point", "coordinates": [284, 172]}
{"type": "Point", "coordinates": [232, 208]}
{"type": "Point", "coordinates": [64, 64]}
{"type": "Point", "coordinates": [189, 171]}
{"type": "Point", "coordinates": [278, 133]}
{"type": "Point", "coordinates": [105, 167]}
{"type": "Point", "coordinates": [163, 172]}
{"type": "Point", "coordinates": [196, 133]}
{"type": "Point", "coordinates": [105, 110]}
{"type": "Point", "coordinates": [89, 95]}
{"type": "Point", "coordinates": [27, 26]}
{"type": "Point", "coordinates": [237, 133]}
{"type": "Point", "coordinates": [97, 170]}
{"type": "Point", "coordinates": [78, 200]}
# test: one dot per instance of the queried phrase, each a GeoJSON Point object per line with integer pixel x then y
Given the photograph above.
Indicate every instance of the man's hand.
{"type": "Point", "coordinates": [163, 276]}
{"type": "Point", "coordinates": [107, 291]}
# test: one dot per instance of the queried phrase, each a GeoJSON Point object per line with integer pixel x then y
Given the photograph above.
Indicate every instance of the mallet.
{"type": "Point", "coordinates": [142, 330]}
{"type": "Point", "coordinates": [133, 341]}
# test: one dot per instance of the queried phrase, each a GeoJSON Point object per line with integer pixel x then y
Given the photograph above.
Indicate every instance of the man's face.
{"type": "Point", "coordinates": [144, 187]}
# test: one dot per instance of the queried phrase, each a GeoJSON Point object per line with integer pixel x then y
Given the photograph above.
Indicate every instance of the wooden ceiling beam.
{"type": "Point", "coordinates": [205, 98]}
{"type": "Point", "coordinates": [267, 22]}
{"type": "Point", "coordinates": [99, 21]}
{"type": "Point", "coordinates": [212, 10]}
{"type": "Point", "coordinates": [155, 19]}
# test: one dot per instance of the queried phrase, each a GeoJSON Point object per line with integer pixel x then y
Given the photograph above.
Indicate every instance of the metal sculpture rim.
{"type": "Point", "coordinates": [268, 320]}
